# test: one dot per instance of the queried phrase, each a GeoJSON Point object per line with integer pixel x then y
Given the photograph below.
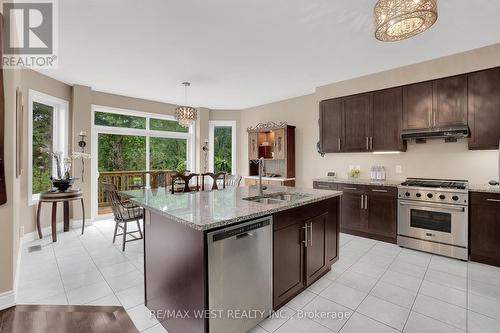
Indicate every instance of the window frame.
{"type": "Point", "coordinates": [60, 138]}
{"type": "Point", "coordinates": [211, 136]}
{"type": "Point", "coordinates": [190, 136]}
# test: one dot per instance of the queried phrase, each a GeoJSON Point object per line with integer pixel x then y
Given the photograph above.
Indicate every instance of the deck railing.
{"type": "Point", "coordinates": [126, 180]}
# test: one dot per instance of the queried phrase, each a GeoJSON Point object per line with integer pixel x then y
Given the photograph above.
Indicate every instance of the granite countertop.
{"type": "Point", "coordinates": [484, 188]}
{"type": "Point", "coordinates": [210, 209]}
{"type": "Point", "coordinates": [392, 183]}
{"type": "Point", "coordinates": [268, 178]}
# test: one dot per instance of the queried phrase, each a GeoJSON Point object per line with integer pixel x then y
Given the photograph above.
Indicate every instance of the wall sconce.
{"type": "Point", "coordinates": [205, 153]}
{"type": "Point", "coordinates": [82, 143]}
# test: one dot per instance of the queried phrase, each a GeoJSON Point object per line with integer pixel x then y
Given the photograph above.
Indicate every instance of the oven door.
{"type": "Point", "coordinates": [441, 223]}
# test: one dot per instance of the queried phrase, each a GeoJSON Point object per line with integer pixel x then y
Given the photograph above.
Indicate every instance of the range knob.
{"type": "Point", "coordinates": [429, 195]}
{"type": "Point", "coordinates": [442, 197]}
{"type": "Point", "coordinates": [455, 197]}
{"type": "Point", "coordinates": [418, 195]}
{"type": "Point", "coordinates": [407, 194]}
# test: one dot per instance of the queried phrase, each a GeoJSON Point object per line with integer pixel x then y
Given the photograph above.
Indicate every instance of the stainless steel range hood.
{"type": "Point", "coordinates": [461, 131]}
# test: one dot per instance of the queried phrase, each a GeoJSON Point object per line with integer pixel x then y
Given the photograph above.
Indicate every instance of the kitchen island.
{"type": "Point", "coordinates": [220, 261]}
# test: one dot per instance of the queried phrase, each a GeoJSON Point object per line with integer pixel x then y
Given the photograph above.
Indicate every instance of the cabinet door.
{"type": "Point", "coordinates": [330, 136]}
{"type": "Point", "coordinates": [253, 146]}
{"type": "Point", "coordinates": [353, 214]}
{"type": "Point", "coordinates": [316, 260]}
{"type": "Point", "coordinates": [332, 231]}
{"type": "Point", "coordinates": [450, 100]}
{"type": "Point", "coordinates": [279, 143]}
{"type": "Point", "coordinates": [288, 262]}
{"type": "Point", "coordinates": [485, 228]}
{"type": "Point", "coordinates": [382, 212]}
{"type": "Point", "coordinates": [357, 122]}
{"type": "Point", "coordinates": [387, 120]}
{"type": "Point", "coordinates": [484, 109]}
{"type": "Point", "coordinates": [417, 106]}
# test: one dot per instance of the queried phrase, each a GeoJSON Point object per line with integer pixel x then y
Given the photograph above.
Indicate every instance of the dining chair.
{"type": "Point", "coordinates": [216, 177]}
{"type": "Point", "coordinates": [124, 213]}
{"type": "Point", "coordinates": [186, 179]}
{"type": "Point", "coordinates": [232, 180]}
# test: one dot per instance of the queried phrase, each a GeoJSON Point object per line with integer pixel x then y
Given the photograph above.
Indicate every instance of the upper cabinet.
{"type": "Point", "coordinates": [357, 123]}
{"type": "Point", "coordinates": [330, 130]}
{"type": "Point", "coordinates": [387, 120]}
{"type": "Point", "coordinates": [279, 143]}
{"type": "Point", "coordinates": [450, 100]}
{"type": "Point", "coordinates": [253, 146]}
{"type": "Point", "coordinates": [484, 109]}
{"type": "Point", "coordinates": [417, 102]}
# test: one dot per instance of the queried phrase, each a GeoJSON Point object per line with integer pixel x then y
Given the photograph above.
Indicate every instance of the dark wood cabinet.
{"type": "Point", "coordinates": [381, 206]}
{"type": "Point", "coordinates": [387, 120]}
{"type": "Point", "coordinates": [305, 246]}
{"type": "Point", "coordinates": [485, 228]}
{"type": "Point", "coordinates": [367, 210]}
{"type": "Point", "coordinates": [417, 105]}
{"type": "Point", "coordinates": [357, 124]}
{"type": "Point", "coordinates": [331, 125]}
{"type": "Point", "coordinates": [450, 101]}
{"type": "Point", "coordinates": [484, 109]}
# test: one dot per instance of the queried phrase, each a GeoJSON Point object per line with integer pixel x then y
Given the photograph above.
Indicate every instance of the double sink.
{"type": "Point", "coordinates": [277, 198]}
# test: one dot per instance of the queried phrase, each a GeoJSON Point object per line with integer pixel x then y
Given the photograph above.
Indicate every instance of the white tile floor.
{"type": "Point", "coordinates": [382, 287]}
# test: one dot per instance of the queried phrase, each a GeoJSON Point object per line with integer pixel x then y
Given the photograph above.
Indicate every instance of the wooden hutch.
{"type": "Point", "coordinates": [276, 144]}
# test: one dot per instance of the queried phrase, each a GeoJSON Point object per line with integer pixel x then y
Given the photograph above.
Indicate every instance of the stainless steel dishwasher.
{"type": "Point", "coordinates": [240, 275]}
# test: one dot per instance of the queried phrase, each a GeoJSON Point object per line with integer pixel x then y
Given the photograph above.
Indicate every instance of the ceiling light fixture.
{"type": "Point", "coordinates": [186, 115]}
{"type": "Point", "coordinates": [400, 19]}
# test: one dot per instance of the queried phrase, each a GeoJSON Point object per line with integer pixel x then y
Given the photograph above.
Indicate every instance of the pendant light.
{"type": "Point", "coordinates": [400, 19]}
{"type": "Point", "coordinates": [186, 115]}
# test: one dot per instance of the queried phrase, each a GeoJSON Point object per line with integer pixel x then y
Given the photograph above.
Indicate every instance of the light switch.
{"type": "Point", "coordinates": [399, 169]}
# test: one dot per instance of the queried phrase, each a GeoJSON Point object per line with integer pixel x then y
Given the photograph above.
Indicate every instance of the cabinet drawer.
{"type": "Point", "coordinates": [288, 217]}
{"type": "Point", "coordinates": [382, 190]}
{"type": "Point", "coordinates": [352, 188]}
{"type": "Point", "coordinates": [482, 198]}
{"type": "Point", "coordinates": [325, 186]}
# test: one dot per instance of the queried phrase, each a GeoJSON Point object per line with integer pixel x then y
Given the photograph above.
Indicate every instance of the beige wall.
{"type": "Point", "coordinates": [434, 159]}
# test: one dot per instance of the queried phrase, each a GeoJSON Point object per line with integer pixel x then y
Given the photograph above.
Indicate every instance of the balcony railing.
{"type": "Point", "coordinates": [127, 180]}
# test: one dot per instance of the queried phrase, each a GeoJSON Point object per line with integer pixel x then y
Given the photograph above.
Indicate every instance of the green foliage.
{"type": "Point", "coordinates": [121, 152]}
{"type": "Point", "coordinates": [166, 125]}
{"type": "Point", "coordinates": [167, 154]}
{"type": "Point", "coordinates": [42, 138]}
{"type": "Point", "coordinates": [222, 149]}
{"type": "Point", "coordinates": [119, 120]}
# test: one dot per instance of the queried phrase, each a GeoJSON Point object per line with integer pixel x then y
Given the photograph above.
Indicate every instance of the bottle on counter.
{"type": "Point", "coordinates": [373, 173]}
{"type": "Point", "coordinates": [382, 173]}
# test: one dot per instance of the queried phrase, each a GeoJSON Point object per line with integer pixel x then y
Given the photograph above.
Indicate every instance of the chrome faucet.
{"type": "Point", "coordinates": [261, 171]}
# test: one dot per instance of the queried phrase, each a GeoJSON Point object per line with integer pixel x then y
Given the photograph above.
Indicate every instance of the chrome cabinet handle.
{"type": "Point", "coordinates": [339, 143]}
{"type": "Point", "coordinates": [311, 234]}
{"type": "Point", "coordinates": [493, 200]}
{"type": "Point", "coordinates": [305, 235]}
{"type": "Point", "coordinates": [362, 202]}
{"type": "Point", "coordinates": [430, 119]}
{"type": "Point", "coordinates": [367, 143]}
{"type": "Point", "coordinates": [322, 186]}
{"type": "Point", "coordinates": [434, 119]}
{"type": "Point", "coordinates": [366, 201]}
{"type": "Point", "coordinates": [381, 191]}
{"type": "Point", "coordinates": [350, 188]}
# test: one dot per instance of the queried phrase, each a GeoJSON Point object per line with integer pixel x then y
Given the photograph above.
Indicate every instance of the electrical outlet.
{"type": "Point", "coordinates": [399, 169]}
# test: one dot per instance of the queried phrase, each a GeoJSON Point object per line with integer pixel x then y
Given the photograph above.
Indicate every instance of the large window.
{"type": "Point", "coordinates": [137, 141]}
{"type": "Point", "coordinates": [48, 131]}
{"type": "Point", "coordinates": [222, 141]}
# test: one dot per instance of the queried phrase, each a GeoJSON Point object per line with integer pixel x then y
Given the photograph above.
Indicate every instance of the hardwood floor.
{"type": "Point", "coordinates": [65, 319]}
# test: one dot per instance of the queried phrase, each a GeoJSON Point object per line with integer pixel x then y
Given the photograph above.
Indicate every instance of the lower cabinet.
{"type": "Point", "coordinates": [367, 211]}
{"type": "Point", "coordinates": [305, 247]}
{"type": "Point", "coordinates": [485, 228]}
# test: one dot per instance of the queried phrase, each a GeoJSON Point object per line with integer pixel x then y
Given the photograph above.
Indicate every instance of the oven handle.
{"type": "Point", "coordinates": [434, 205]}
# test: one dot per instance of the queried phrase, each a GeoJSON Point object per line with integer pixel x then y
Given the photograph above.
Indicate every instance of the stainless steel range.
{"type": "Point", "coordinates": [433, 216]}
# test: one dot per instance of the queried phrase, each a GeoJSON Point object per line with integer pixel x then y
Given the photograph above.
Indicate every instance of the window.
{"type": "Point", "coordinates": [166, 125]}
{"type": "Point", "coordinates": [168, 154]}
{"type": "Point", "coordinates": [222, 141]}
{"type": "Point", "coordinates": [48, 129]}
{"type": "Point", "coordinates": [119, 120]}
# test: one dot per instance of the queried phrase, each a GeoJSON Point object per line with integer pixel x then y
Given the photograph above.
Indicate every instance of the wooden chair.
{"type": "Point", "coordinates": [186, 178]}
{"type": "Point", "coordinates": [215, 177]}
{"type": "Point", "coordinates": [124, 213]}
{"type": "Point", "coordinates": [232, 180]}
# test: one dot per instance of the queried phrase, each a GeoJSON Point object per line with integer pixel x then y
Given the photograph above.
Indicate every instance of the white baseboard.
{"type": "Point", "coordinates": [18, 267]}
{"type": "Point", "coordinates": [31, 236]}
{"type": "Point", "coordinates": [7, 299]}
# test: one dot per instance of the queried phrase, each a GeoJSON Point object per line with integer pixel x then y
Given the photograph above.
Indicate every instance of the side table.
{"type": "Point", "coordinates": [54, 197]}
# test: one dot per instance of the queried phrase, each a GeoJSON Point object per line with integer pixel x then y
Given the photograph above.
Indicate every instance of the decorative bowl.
{"type": "Point", "coordinates": [62, 185]}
